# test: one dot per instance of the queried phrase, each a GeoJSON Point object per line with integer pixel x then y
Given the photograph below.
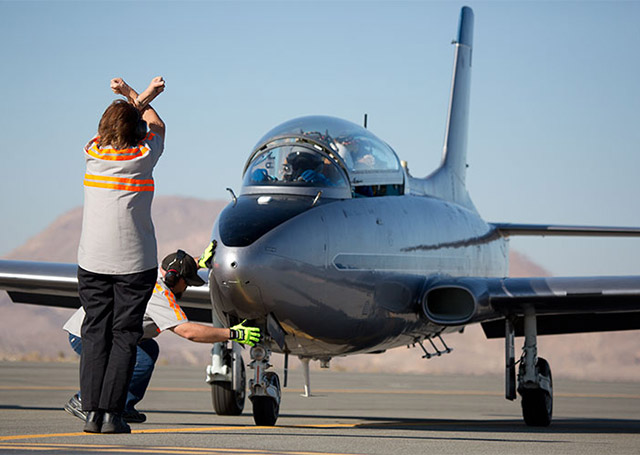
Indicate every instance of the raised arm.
{"type": "Point", "coordinates": [141, 101]}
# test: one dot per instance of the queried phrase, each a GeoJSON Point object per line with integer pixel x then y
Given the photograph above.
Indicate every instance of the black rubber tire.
{"type": "Point", "coordinates": [537, 404]}
{"type": "Point", "coordinates": [265, 409]}
{"type": "Point", "coordinates": [226, 401]}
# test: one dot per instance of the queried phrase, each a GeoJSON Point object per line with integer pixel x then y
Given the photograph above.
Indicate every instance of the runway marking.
{"type": "Point", "coordinates": [37, 436]}
{"type": "Point", "coordinates": [175, 430]}
{"type": "Point", "coordinates": [360, 391]}
{"type": "Point", "coordinates": [160, 450]}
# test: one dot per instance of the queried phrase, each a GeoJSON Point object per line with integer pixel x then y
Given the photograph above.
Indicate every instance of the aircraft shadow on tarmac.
{"type": "Point", "coordinates": [559, 425]}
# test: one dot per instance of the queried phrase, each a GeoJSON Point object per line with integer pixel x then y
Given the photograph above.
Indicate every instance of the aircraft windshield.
{"type": "Point", "coordinates": [360, 149]}
{"type": "Point", "coordinates": [294, 164]}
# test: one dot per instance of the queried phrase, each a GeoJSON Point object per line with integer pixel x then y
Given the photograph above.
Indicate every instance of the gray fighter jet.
{"type": "Point", "coordinates": [333, 248]}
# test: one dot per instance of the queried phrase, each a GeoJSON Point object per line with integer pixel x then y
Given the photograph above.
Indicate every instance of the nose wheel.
{"type": "Point", "coordinates": [264, 388]}
{"type": "Point", "coordinates": [266, 409]}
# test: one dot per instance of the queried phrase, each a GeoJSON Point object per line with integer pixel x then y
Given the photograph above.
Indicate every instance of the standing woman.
{"type": "Point", "coordinates": [117, 256]}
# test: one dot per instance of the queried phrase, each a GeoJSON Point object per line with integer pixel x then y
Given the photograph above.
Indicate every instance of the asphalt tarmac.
{"type": "Point", "coordinates": [350, 413]}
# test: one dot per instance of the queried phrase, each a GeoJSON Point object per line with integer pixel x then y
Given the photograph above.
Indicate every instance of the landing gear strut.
{"type": "Point", "coordinates": [228, 379]}
{"type": "Point", "coordinates": [264, 388]}
{"type": "Point", "coordinates": [535, 384]}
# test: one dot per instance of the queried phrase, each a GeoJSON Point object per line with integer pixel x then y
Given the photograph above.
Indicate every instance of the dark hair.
{"type": "Point", "coordinates": [121, 126]}
{"type": "Point", "coordinates": [304, 160]}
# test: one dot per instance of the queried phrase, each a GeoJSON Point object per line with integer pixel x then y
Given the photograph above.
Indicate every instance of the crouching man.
{"type": "Point", "coordinates": [178, 271]}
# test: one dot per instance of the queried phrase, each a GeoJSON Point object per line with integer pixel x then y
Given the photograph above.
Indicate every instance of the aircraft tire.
{"type": "Point", "coordinates": [266, 409]}
{"type": "Point", "coordinates": [537, 404]}
{"type": "Point", "coordinates": [226, 401]}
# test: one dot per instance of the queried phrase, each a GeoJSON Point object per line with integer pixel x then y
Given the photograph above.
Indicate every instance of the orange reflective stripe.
{"type": "Point", "coordinates": [109, 178]}
{"type": "Point", "coordinates": [117, 183]}
{"type": "Point", "coordinates": [176, 308]}
{"type": "Point", "coordinates": [172, 302]}
{"type": "Point", "coordinates": [109, 154]}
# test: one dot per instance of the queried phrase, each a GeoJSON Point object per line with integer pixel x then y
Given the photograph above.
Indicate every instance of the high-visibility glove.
{"type": "Point", "coordinates": [245, 335]}
{"type": "Point", "coordinates": [206, 257]}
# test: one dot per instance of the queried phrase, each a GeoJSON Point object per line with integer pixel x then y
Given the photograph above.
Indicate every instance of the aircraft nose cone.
{"type": "Point", "coordinates": [232, 289]}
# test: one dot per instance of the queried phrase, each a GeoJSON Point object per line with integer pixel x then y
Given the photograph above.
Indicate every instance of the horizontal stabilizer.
{"type": "Point", "coordinates": [512, 229]}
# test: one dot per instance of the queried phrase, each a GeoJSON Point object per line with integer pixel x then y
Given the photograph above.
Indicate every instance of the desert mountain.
{"type": "Point", "coordinates": [186, 223]}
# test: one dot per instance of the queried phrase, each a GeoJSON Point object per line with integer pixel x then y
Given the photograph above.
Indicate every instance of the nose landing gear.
{"type": "Point", "coordinates": [264, 388]}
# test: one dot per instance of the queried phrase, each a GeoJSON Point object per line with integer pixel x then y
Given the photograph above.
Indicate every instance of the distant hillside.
{"type": "Point", "coordinates": [179, 223]}
{"type": "Point", "coordinates": [186, 223]}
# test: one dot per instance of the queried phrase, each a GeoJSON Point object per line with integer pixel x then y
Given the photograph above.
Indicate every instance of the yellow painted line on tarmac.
{"type": "Point", "coordinates": [37, 436]}
{"type": "Point", "coordinates": [175, 430]}
{"type": "Point", "coordinates": [159, 450]}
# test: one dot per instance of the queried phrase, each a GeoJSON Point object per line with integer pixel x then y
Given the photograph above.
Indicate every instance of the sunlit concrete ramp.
{"type": "Point", "coordinates": [349, 413]}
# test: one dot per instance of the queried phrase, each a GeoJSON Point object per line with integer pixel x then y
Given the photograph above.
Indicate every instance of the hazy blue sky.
{"type": "Point", "coordinates": [555, 100]}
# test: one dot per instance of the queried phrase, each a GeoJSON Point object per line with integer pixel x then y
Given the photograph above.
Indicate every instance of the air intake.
{"type": "Point", "coordinates": [449, 305]}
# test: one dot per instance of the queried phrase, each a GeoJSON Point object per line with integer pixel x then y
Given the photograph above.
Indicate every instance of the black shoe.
{"type": "Point", "coordinates": [133, 416]}
{"type": "Point", "coordinates": [93, 423]}
{"type": "Point", "coordinates": [113, 423]}
{"type": "Point", "coordinates": [74, 407]}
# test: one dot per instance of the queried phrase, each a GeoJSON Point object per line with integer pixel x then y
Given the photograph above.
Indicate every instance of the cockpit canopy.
{"type": "Point", "coordinates": [306, 154]}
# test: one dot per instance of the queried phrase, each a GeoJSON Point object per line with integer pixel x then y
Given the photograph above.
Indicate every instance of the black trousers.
{"type": "Point", "coordinates": [114, 307]}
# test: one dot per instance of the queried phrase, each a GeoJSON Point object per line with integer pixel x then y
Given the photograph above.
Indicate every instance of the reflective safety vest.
{"type": "Point", "coordinates": [118, 236]}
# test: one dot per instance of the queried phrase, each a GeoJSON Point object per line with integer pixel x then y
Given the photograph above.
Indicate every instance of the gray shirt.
{"type": "Point", "coordinates": [118, 236]}
{"type": "Point", "coordinates": [162, 313]}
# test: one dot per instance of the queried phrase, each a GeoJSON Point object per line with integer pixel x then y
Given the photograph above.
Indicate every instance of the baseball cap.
{"type": "Point", "coordinates": [185, 265]}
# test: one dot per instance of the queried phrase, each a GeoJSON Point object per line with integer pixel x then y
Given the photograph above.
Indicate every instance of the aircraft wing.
{"type": "Point", "coordinates": [56, 285]}
{"type": "Point", "coordinates": [561, 305]}
{"type": "Point", "coordinates": [568, 305]}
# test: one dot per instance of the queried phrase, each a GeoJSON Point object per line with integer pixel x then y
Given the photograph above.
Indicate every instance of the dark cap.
{"type": "Point", "coordinates": [185, 265]}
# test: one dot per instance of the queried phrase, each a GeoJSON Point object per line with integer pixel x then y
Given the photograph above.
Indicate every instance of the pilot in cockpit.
{"type": "Point", "coordinates": [306, 167]}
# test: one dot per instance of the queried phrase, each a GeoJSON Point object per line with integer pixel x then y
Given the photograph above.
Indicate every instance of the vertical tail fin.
{"type": "Point", "coordinates": [448, 181]}
{"type": "Point", "coordinates": [454, 157]}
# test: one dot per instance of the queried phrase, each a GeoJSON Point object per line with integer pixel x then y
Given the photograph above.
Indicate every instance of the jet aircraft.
{"type": "Point", "coordinates": [334, 248]}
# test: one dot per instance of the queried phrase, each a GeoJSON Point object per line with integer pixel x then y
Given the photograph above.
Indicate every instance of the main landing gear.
{"type": "Point", "coordinates": [535, 384]}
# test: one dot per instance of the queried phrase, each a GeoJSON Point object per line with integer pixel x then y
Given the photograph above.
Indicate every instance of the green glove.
{"type": "Point", "coordinates": [207, 256]}
{"type": "Point", "coordinates": [245, 335]}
